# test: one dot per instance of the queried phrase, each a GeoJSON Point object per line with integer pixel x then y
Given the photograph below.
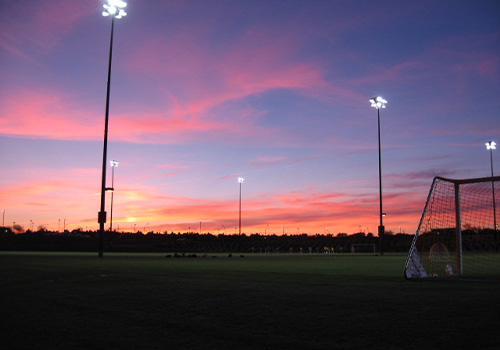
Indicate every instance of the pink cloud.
{"type": "Point", "coordinates": [196, 97]}
{"type": "Point", "coordinates": [51, 114]}
{"type": "Point", "coordinates": [47, 114]}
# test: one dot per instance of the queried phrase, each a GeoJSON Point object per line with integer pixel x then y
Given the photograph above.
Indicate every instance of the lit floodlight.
{"type": "Point", "coordinates": [491, 145]}
{"type": "Point", "coordinates": [378, 102]}
{"type": "Point", "coordinates": [114, 163]}
{"type": "Point", "coordinates": [114, 8]}
{"type": "Point", "coordinates": [240, 180]}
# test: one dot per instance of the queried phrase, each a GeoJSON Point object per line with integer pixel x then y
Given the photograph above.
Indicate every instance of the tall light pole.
{"type": "Point", "coordinates": [378, 103]}
{"type": "Point", "coordinates": [115, 9]}
{"type": "Point", "coordinates": [240, 180]}
{"type": "Point", "coordinates": [491, 146]}
{"type": "Point", "coordinates": [114, 164]}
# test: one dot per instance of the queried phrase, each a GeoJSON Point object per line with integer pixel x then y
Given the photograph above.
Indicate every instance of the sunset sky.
{"type": "Point", "coordinates": [277, 92]}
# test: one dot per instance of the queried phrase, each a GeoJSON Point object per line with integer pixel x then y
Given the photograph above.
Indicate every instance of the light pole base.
{"type": "Point", "coordinates": [381, 233]}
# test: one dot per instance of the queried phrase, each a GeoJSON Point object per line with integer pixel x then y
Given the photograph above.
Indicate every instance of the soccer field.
{"type": "Point", "coordinates": [259, 301]}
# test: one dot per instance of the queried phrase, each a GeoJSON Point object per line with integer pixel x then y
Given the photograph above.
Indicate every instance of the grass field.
{"type": "Point", "coordinates": [261, 301]}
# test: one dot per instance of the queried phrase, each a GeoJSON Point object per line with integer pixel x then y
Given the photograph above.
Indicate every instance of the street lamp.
{"type": "Point", "coordinates": [115, 9]}
{"type": "Point", "coordinates": [378, 103]}
{"type": "Point", "coordinates": [114, 164]}
{"type": "Point", "coordinates": [491, 146]}
{"type": "Point", "coordinates": [240, 180]}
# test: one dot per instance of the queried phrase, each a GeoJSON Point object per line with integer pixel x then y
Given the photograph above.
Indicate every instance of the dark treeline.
{"type": "Point", "coordinates": [199, 243]}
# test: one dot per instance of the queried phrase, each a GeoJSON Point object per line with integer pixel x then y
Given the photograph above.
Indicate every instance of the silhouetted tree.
{"type": "Point", "coordinates": [17, 228]}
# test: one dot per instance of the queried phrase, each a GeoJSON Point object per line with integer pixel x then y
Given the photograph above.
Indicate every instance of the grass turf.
{"type": "Point", "coordinates": [261, 301]}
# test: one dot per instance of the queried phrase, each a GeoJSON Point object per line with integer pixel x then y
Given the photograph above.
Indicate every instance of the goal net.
{"type": "Point", "coordinates": [458, 231]}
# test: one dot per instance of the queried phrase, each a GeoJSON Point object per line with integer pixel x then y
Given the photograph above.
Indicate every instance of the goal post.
{"type": "Point", "coordinates": [457, 233]}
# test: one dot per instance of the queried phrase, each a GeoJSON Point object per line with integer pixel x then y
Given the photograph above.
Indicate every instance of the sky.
{"type": "Point", "coordinates": [276, 92]}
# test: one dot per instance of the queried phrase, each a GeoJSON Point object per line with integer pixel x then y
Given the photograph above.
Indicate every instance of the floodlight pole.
{"type": "Point", "coordinates": [102, 213]}
{"type": "Point", "coordinates": [114, 164]}
{"type": "Point", "coordinates": [115, 9]}
{"type": "Point", "coordinates": [378, 103]}
{"type": "Point", "coordinates": [240, 180]}
{"type": "Point", "coordinates": [381, 229]}
{"type": "Point", "coordinates": [491, 146]}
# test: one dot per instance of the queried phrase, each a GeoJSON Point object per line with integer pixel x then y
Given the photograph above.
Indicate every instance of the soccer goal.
{"type": "Point", "coordinates": [458, 231]}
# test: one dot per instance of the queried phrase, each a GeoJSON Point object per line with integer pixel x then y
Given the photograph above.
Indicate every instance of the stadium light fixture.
{"type": "Point", "coordinates": [113, 9]}
{"type": "Point", "coordinates": [240, 180]}
{"type": "Point", "coordinates": [379, 103]}
{"type": "Point", "coordinates": [490, 146]}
